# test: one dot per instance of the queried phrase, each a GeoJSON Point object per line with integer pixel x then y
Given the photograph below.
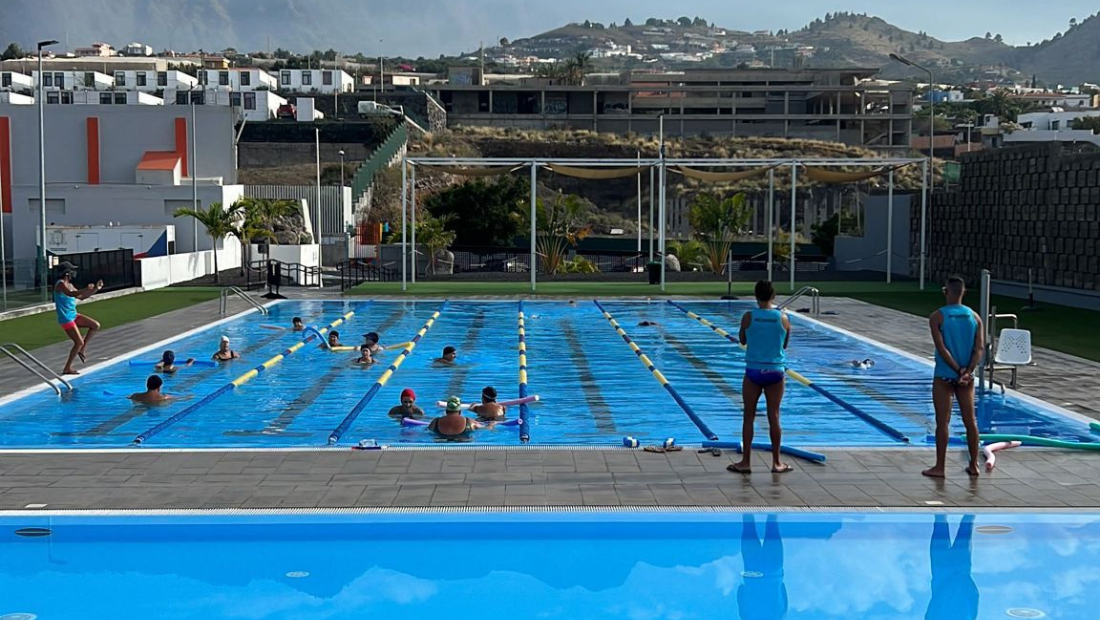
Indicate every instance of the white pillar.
{"type": "Point", "coordinates": [534, 224]}
{"type": "Point", "coordinates": [794, 215]}
{"type": "Point", "coordinates": [652, 185]}
{"type": "Point", "coordinates": [412, 218]}
{"type": "Point", "coordinates": [771, 224]}
{"type": "Point", "coordinates": [639, 204]}
{"type": "Point", "coordinates": [661, 208]}
{"type": "Point", "coordinates": [404, 224]}
{"type": "Point", "coordinates": [890, 229]}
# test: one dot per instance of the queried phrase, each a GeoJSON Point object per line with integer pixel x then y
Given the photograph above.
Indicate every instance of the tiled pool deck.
{"type": "Point", "coordinates": [344, 478]}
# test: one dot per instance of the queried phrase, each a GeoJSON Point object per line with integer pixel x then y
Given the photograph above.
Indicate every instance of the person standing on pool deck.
{"type": "Point", "coordinates": [65, 296]}
{"type": "Point", "coordinates": [960, 343]}
{"type": "Point", "coordinates": [765, 332]}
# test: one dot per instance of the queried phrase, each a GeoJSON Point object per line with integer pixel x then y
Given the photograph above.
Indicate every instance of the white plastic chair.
{"type": "Point", "coordinates": [1013, 350]}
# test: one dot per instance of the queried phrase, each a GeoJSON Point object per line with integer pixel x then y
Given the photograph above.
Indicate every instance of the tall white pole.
{"type": "Point", "coordinates": [661, 203]}
{"type": "Point", "coordinates": [794, 216]}
{"type": "Point", "coordinates": [404, 223]}
{"type": "Point", "coordinates": [890, 229]}
{"type": "Point", "coordinates": [771, 224]}
{"type": "Point", "coordinates": [534, 224]}
{"type": "Point", "coordinates": [639, 203]}
{"type": "Point", "coordinates": [192, 170]}
{"type": "Point", "coordinates": [923, 222]}
{"type": "Point", "coordinates": [43, 269]}
{"type": "Point", "coordinates": [652, 185]}
{"type": "Point", "coordinates": [3, 250]}
{"type": "Point", "coordinates": [412, 218]}
{"type": "Point", "coordinates": [317, 205]}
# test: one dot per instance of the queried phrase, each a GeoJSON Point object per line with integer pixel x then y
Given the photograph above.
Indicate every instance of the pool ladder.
{"type": "Point", "coordinates": [815, 299]}
{"type": "Point", "coordinates": [233, 290]}
{"type": "Point", "coordinates": [16, 353]}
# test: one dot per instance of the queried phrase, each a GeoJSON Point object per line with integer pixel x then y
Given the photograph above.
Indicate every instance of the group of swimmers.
{"type": "Point", "coordinates": [453, 424]}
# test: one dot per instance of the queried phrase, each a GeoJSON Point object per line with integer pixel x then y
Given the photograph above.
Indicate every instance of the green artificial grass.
{"type": "Point", "coordinates": [41, 329]}
{"type": "Point", "coordinates": [611, 289]}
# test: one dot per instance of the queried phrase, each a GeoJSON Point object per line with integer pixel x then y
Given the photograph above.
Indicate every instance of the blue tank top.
{"type": "Point", "coordinates": [959, 330]}
{"type": "Point", "coordinates": [65, 306]}
{"type": "Point", "coordinates": [765, 337]}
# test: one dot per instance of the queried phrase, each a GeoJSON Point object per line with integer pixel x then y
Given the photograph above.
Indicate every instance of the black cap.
{"type": "Point", "coordinates": [372, 336]}
{"type": "Point", "coordinates": [66, 266]}
{"type": "Point", "coordinates": [490, 393]}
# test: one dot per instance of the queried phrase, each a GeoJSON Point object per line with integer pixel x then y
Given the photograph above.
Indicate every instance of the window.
{"type": "Point", "coordinates": [120, 78]}
{"type": "Point", "coordinates": [67, 97]}
{"type": "Point", "coordinates": [59, 80]}
{"type": "Point", "coordinates": [1054, 125]}
{"type": "Point", "coordinates": [223, 78]}
{"type": "Point", "coordinates": [235, 100]}
{"type": "Point", "coordinates": [5, 80]}
{"type": "Point", "coordinates": [162, 78]}
{"type": "Point", "coordinates": [326, 78]}
{"type": "Point", "coordinates": [53, 97]}
{"type": "Point", "coordinates": [250, 101]}
{"type": "Point", "coordinates": [198, 98]}
{"type": "Point", "coordinates": [181, 98]}
{"type": "Point", "coordinates": [284, 78]}
{"type": "Point", "coordinates": [246, 78]}
{"type": "Point", "coordinates": [47, 79]}
{"type": "Point", "coordinates": [105, 98]}
{"type": "Point", "coordinates": [140, 79]}
{"type": "Point", "coordinates": [307, 78]}
{"type": "Point", "coordinates": [120, 98]}
{"type": "Point", "coordinates": [89, 79]}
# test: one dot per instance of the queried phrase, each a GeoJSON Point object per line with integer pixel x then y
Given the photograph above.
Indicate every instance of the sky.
{"type": "Point", "coordinates": [1016, 20]}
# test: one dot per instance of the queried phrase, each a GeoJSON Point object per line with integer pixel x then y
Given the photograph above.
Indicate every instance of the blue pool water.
{"type": "Point", "coordinates": [630, 566]}
{"type": "Point", "coordinates": [594, 390]}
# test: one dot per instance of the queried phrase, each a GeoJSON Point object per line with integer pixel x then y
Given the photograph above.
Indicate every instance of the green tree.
{"type": "Point", "coordinates": [13, 52]}
{"type": "Point", "coordinates": [824, 234]}
{"type": "Point", "coordinates": [503, 41]}
{"type": "Point", "coordinates": [684, 22]}
{"type": "Point", "coordinates": [1090, 123]}
{"type": "Point", "coordinates": [219, 223]}
{"type": "Point", "coordinates": [249, 229]}
{"type": "Point", "coordinates": [577, 67]}
{"type": "Point", "coordinates": [559, 228]}
{"type": "Point", "coordinates": [433, 234]}
{"type": "Point", "coordinates": [484, 212]}
{"type": "Point", "coordinates": [717, 221]}
{"type": "Point", "coordinates": [627, 23]}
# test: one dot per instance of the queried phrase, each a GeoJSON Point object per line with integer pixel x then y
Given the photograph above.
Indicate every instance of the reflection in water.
{"type": "Point", "coordinates": [954, 593]}
{"type": "Point", "coordinates": [762, 595]}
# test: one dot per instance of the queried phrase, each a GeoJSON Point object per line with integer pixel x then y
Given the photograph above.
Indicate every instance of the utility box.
{"type": "Point", "coordinates": [145, 241]}
{"type": "Point", "coordinates": [306, 111]}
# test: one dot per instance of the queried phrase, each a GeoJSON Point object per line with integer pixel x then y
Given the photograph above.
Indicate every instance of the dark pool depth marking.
{"type": "Point", "coordinates": [298, 406]}
{"type": "Point", "coordinates": [34, 532]}
{"type": "Point", "coordinates": [868, 390]}
{"type": "Point", "coordinates": [715, 378]}
{"type": "Point", "coordinates": [137, 410]}
{"type": "Point", "coordinates": [461, 371]}
{"type": "Point", "coordinates": [601, 411]}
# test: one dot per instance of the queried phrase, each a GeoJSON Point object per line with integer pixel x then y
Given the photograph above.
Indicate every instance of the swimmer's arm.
{"type": "Point", "coordinates": [786, 326]}
{"type": "Point", "coordinates": [978, 352]}
{"type": "Point", "coordinates": [87, 292]}
{"type": "Point", "coordinates": [746, 321]}
{"type": "Point", "coordinates": [935, 324]}
{"type": "Point", "coordinates": [433, 425]}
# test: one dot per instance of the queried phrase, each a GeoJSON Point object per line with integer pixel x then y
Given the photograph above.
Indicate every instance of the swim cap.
{"type": "Point", "coordinates": [225, 338]}
{"type": "Point", "coordinates": [490, 393]}
{"type": "Point", "coordinates": [371, 336]}
{"type": "Point", "coordinates": [168, 358]}
{"type": "Point", "coordinates": [454, 403]}
{"type": "Point", "coordinates": [408, 393]}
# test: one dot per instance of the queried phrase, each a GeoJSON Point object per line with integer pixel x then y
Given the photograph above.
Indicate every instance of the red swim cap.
{"type": "Point", "coordinates": [408, 393]}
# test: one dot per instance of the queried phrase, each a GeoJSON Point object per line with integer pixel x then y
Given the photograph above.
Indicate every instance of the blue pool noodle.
{"type": "Point", "coordinates": [795, 452]}
{"type": "Point", "coordinates": [953, 440]}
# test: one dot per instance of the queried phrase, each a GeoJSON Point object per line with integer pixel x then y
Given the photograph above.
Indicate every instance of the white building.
{"type": "Point", "coordinates": [96, 50]}
{"type": "Point", "coordinates": [137, 49]}
{"type": "Point", "coordinates": [320, 81]}
{"type": "Point", "coordinates": [1055, 120]}
{"type": "Point", "coordinates": [16, 82]}
{"type": "Point", "coordinates": [74, 80]}
{"type": "Point", "coordinates": [116, 97]}
{"type": "Point", "coordinates": [247, 79]}
{"type": "Point", "coordinates": [16, 98]}
{"type": "Point", "coordinates": [152, 81]}
{"type": "Point", "coordinates": [253, 106]}
{"type": "Point", "coordinates": [1058, 100]}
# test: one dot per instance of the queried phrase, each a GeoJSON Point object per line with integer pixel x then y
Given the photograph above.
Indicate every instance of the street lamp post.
{"type": "Point", "coordinates": [43, 267]}
{"type": "Point", "coordinates": [928, 185]}
{"type": "Point", "coordinates": [343, 206]}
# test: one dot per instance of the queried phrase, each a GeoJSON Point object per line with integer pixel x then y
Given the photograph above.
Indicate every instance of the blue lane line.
{"type": "Point", "coordinates": [348, 420]}
{"type": "Point", "coordinates": [709, 434]}
{"type": "Point", "coordinates": [524, 426]}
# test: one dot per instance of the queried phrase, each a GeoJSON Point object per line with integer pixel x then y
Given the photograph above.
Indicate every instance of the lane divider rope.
{"type": "Point", "coordinates": [524, 426]}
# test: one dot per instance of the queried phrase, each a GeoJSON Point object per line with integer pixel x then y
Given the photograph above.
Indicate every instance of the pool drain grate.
{"type": "Point", "coordinates": [994, 530]}
{"type": "Point", "coordinates": [32, 532]}
{"type": "Point", "coordinates": [1023, 612]}
{"type": "Point", "coordinates": [18, 616]}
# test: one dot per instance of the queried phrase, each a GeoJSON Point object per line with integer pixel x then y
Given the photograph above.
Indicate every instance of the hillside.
{"type": "Point", "coordinates": [1070, 58]}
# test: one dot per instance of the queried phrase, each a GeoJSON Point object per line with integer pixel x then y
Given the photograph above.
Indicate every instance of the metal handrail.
{"type": "Point", "coordinates": [815, 299]}
{"type": "Point", "coordinates": [6, 350]}
{"type": "Point", "coordinates": [223, 301]}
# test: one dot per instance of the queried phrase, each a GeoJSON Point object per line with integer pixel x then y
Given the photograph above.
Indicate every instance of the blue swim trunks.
{"type": "Point", "coordinates": [764, 378]}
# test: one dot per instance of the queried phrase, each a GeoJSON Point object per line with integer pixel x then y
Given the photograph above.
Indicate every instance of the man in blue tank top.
{"type": "Point", "coordinates": [765, 332]}
{"type": "Point", "coordinates": [960, 343]}
{"type": "Point", "coordinates": [65, 296]}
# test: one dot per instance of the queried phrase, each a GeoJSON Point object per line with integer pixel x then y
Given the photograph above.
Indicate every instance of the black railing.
{"type": "Point", "coordinates": [115, 267]}
{"type": "Point", "coordinates": [262, 273]}
{"type": "Point", "coordinates": [355, 272]}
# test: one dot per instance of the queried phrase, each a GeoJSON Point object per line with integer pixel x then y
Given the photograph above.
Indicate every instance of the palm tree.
{"type": "Point", "coordinates": [432, 232]}
{"type": "Point", "coordinates": [218, 221]}
{"type": "Point", "coordinates": [269, 209]}
{"type": "Point", "coordinates": [717, 221]}
{"type": "Point", "coordinates": [559, 227]}
{"type": "Point", "coordinates": [251, 227]}
{"type": "Point", "coordinates": [577, 67]}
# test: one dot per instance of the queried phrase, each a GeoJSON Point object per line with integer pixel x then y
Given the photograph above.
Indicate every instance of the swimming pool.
{"type": "Point", "coordinates": [675, 565]}
{"type": "Point", "coordinates": [593, 388]}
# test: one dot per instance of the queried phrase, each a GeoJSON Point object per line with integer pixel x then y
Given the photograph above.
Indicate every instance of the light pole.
{"type": "Point", "coordinates": [381, 72]}
{"type": "Point", "coordinates": [43, 267]}
{"type": "Point", "coordinates": [928, 185]}
{"type": "Point", "coordinates": [343, 206]}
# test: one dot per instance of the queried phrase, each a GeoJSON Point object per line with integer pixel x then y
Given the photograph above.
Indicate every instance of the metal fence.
{"type": "Point", "coordinates": [355, 272]}
{"type": "Point", "coordinates": [259, 274]}
{"type": "Point", "coordinates": [335, 212]}
{"type": "Point", "coordinates": [115, 267]}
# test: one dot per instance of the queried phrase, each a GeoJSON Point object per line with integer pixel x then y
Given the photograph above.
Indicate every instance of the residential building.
{"type": "Point", "coordinates": [152, 81]}
{"type": "Point", "coordinates": [14, 98]}
{"type": "Point", "coordinates": [320, 81]}
{"type": "Point", "coordinates": [1057, 100]}
{"type": "Point", "coordinates": [1056, 119]}
{"type": "Point", "coordinates": [96, 50]}
{"type": "Point", "coordinates": [253, 106]}
{"type": "Point", "coordinates": [74, 80]}
{"type": "Point", "coordinates": [247, 79]}
{"type": "Point", "coordinates": [1037, 127]}
{"type": "Point", "coordinates": [16, 82]}
{"type": "Point", "coordinates": [106, 97]}
{"type": "Point", "coordinates": [843, 105]}
{"type": "Point", "coordinates": [137, 49]}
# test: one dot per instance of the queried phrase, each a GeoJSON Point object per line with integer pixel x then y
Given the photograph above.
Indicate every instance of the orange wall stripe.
{"type": "Point", "coordinates": [5, 164]}
{"type": "Point", "coordinates": [181, 144]}
{"type": "Point", "coordinates": [93, 150]}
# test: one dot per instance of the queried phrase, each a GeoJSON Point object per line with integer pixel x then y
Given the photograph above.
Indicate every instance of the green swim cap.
{"type": "Point", "coordinates": [454, 403]}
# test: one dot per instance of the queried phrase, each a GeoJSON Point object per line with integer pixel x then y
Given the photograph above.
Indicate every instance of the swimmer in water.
{"type": "Point", "coordinates": [449, 355]}
{"type": "Point", "coordinates": [152, 394]}
{"type": "Point", "coordinates": [167, 363]}
{"type": "Point", "coordinates": [648, 324]}
{"type": "Point", "coordinates": [371, 339]}
{"type": "Point", "coordinates": [408, 407]}
{"type": "Point", "coordinates": [453, 425]}
{"type": "Point", "coordinates": [224, 353]}
{"type": "Point", "coordinates": [297, 325]}
{"type": "Point", "coordinates": [489, 409]}
{"type": "Point", "coordinates": [333, 340]}
{"type": "Point", "coordinates": [861, 365]}
{"type": "Point", "coordinates": [365, 358]}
